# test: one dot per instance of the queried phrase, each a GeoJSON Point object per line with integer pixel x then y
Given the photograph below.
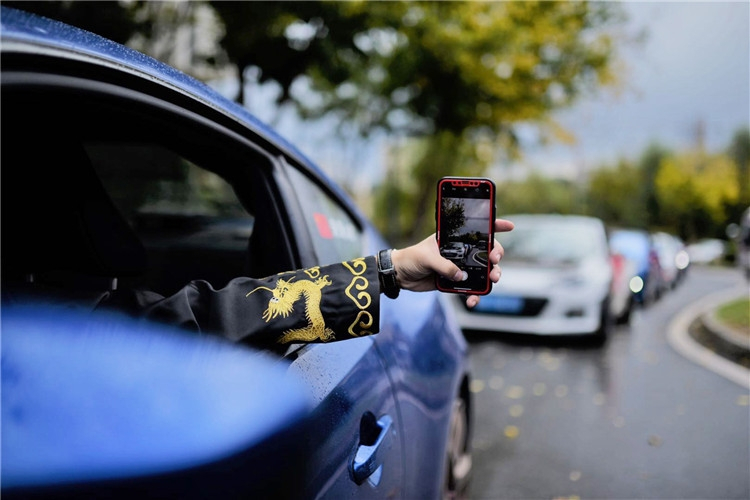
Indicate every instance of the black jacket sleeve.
{"type": "Point", "coordinates": [320, 304]}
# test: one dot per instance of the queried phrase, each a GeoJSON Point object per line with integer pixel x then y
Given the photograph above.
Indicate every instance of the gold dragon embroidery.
{"type": "Point", "coordinates": [285, 295]}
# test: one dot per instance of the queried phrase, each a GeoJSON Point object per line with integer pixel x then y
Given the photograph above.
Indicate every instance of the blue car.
{"type": "Point", "coordinates": [189, 185]}
{"type": "Point", "coordinates": [637, 246]}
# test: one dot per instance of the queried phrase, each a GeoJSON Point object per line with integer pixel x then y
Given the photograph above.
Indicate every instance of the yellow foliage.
{"type": "Point", "coordinates": [697, 181]}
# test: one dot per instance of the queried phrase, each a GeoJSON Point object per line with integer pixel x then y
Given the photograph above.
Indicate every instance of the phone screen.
{"type": "Point", "coordinates": [465, 231]}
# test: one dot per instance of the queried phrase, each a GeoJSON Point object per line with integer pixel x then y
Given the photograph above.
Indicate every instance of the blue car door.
{"type": "Point", "coordinates": [356, 446]}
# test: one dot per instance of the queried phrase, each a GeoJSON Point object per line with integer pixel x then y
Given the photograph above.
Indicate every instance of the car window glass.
{"type": "Point", "coordinates": [188, 218]}
{"type": "Point", "coordinates": [149, 179]}
{"type": "Point", "coordinates": [552, 243]}
{"type": "Point", "coordinates": [335, 235]}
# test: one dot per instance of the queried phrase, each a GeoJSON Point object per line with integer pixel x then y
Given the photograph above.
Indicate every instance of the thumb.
{"type": "Point", "coordinates": [449, 270]}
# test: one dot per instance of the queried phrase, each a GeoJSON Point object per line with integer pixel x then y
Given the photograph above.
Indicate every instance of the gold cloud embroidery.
{"type": "Point", "coordinates": [364, 320]}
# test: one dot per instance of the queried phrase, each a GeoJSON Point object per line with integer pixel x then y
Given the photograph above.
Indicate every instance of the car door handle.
{"type": "Point", "coordinates": [375, 440]}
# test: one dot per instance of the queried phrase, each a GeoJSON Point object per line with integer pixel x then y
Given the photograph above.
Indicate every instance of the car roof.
{"type": "Point", "coordinates": [554, 218]}
{"type": "Point", "coordinates": [30, 33]}
{"type": "Point", "coordinates": [637, 234]}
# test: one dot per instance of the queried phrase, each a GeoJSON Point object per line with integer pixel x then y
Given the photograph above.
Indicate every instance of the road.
{"type": "Point", "coordinates": [632, 419]}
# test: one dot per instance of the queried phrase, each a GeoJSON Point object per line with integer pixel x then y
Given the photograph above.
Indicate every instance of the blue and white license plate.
{"type": "Point", "coordinates": [502, 304]}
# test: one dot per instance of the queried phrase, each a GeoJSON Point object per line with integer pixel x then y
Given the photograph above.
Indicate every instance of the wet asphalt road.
{"type": "Point", "coordinates": [632, 419]}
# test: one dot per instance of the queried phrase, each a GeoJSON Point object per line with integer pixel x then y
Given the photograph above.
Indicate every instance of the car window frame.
{"type": "Point", "coordinates": [197, 116]}
{"type": "Point", "coordinates": [342, 204]}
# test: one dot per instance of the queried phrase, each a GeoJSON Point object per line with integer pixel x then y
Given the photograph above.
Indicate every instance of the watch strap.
{"type": "Point", "coordinates": [387, 274]}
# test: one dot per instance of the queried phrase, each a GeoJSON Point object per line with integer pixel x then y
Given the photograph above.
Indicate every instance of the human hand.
{"type": "Point", "coordinates": [417, 265]}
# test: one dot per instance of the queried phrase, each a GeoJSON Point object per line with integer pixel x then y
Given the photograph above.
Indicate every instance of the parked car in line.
{"type": "Point", "coordinates": [707, 251]}
{"type": "Point", "coordinates": [682, 259]}
{"type": "Point", "coordinates": [671, 255]}
{"type": "Point", "coordinates": [557, 280]}
{"type": "Point", "coordinates": [623, 301]}
{"type": "Point", "coordinates": [637, 246]}
{"type": "Point", "coordinates": [119, 171]}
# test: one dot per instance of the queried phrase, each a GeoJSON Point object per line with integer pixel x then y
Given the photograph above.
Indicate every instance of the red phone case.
{"type": "Point", "coordinates": [470, 247]}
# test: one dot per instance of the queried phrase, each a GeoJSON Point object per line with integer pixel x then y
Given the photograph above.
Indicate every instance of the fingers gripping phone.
{"type": "Point", "coordinates": [466, 231]}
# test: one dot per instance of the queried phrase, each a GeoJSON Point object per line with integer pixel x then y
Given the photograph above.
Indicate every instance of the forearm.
{"type": "Point", "coordinates": [320, 304]}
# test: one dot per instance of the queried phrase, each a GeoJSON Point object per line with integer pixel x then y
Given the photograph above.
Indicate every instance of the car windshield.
{"type": "Point", "coordinates": [551, 242]}
{"type": "Point", "coordinates": [632, 244]}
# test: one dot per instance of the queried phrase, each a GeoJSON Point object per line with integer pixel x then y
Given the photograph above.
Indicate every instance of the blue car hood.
{"type": "Point", "coordinates": [90, 399]}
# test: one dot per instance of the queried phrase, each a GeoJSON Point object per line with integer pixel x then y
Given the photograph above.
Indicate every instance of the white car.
{"type": "Point", "coordinates": [707, 251]}
{"type": "Point", "coordinates": [557, 280]}
{"type": "Point", "coordinates": [455, 250]}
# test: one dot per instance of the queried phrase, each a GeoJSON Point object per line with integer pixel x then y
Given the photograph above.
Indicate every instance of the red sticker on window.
{"type": "Point", "coordinates": [323, 228]}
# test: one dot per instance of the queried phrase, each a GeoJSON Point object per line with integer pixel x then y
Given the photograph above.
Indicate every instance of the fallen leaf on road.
{"type": "Point", "coordinates": [511, 432]}
{"type": "Point", "coordinates": [654, 440]}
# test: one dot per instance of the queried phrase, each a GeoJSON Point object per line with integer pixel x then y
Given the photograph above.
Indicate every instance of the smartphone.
{"type": "Point", "coordinates": [465, 216]}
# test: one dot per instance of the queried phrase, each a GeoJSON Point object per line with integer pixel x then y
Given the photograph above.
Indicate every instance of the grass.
{"type": "Point", "coordinates": [736, 314]}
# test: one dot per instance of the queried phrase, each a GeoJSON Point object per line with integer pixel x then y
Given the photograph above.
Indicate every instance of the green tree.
{"type": "Point", "coordinates": [646, 195]}
{"type": "Point", "coordinates": [416, 167]}
{"type": "Point", "coordinates": [454, 216]}
{"type": "Point", "coordinates": [461, 75]}
{"type": "Point", "coordinates": [694, 190]}
{"type": "Point", "coordinates": [739, 152]}
{"type": "Point", "coordinates": [536, 194]}
{"type": "Point", "coordinates": [614, 195]}
{"type": "Point", "coordinates": [443, 65]}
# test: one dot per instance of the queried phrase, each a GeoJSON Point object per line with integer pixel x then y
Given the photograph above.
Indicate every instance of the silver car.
{"type": "Point", "coordinates": [557, 280]}
{"type": "Point", "coordinates": [454, 250]}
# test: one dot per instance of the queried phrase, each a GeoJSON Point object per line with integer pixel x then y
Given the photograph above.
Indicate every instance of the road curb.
{"type": "Point", "coordinates": [726, 333]}
{"type": "Point", "coordinates": [679, 337]}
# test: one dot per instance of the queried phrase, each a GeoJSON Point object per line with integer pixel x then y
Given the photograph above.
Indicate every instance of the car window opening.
{"type": "Point", "coordinates": [83, 217]}
{"type": "Point", "coordinates": [188, 218]}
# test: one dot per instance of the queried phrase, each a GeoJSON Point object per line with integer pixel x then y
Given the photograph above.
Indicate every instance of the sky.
{"type": "Point", "coordinates": [475, 213]}
{"type": "Point", "coordinates": [692, 68]}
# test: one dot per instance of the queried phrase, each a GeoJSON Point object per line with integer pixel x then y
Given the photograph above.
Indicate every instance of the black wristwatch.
{"type": "Point", "coordinates": [387, 274]}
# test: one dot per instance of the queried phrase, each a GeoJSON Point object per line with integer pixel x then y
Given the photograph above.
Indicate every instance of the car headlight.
{"type": "Point", "coordinates": [682, 260]}
{"type": "Point", "coordinates": [636, 284]}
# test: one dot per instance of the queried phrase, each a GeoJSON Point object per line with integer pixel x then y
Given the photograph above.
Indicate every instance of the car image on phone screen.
{"type": "Point", "coordinates": [465, 231]}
